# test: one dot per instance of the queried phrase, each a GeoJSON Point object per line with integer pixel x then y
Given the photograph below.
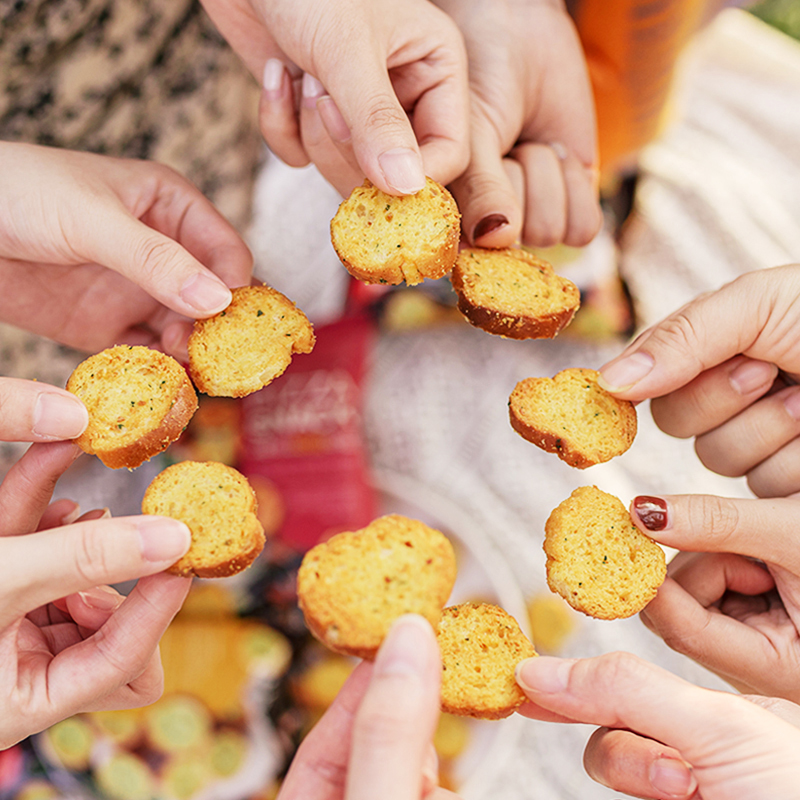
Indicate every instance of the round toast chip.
{"type": "Point", "coordinates": [139, 402]}
{"type": "Point", "coordinates": [481, 646]}
{"type": "Point", "coordinates": [249, 344]}
{"type": "Point", "coordinates": [597, 559]}
{"type": "Point", "coordinates": [572, 416]}
{"type": "Point", "coordinates": [512, 293]}
{"type": "Point", "coordinates": [219, 507]}
{"type": "Point", "coordinates": [352, 587]}
{"type": "Point", "coordinates": [381, 238]}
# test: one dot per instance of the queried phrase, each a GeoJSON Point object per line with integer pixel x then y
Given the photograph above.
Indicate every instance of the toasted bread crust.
{"type": "Point", "coordinates": [572, 416]}
{"type": "Point", "coordinates": [352, 587]}
{"type": "Point", "coordinates": [381, 238]}
{"type": "Point", "coordinates": [520, 298]}
{"type": "Point", "coordinates": [249, 344]}
{"type": "Point", "coordinates": [218, 505]}
{"type": "Point", "coordinates": [481, 646]}
{"type": "Point", "coordinates": [116, 384]}
{"type": "Point", "coordinates": [597, 559]}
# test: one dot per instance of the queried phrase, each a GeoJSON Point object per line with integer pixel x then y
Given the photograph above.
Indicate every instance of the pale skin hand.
{"type": "Point", "coordinates": [68, 642]}
{"type": "Point", "coordinates": [375, 740]}
{"type": "Point", "coordinates": [394, 105]}
{"type": "Point", "coordinates": [96, 251]}
{"type": "Point", "coordinates": [532, 175]}
{"type": "Point", "coordinates": [664, 738]}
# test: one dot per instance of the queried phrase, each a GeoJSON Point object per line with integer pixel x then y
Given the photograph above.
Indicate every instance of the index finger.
{"type": "Point", "coordinates": [35, 412]}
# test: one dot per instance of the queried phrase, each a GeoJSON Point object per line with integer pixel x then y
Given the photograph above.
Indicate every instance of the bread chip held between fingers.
{"type": "Point", "coordinates": [139, 402]}
{"type": "Point", "coordinates": [572, 416]}
{"type": "Point", "coordinates": [382, 238]}
{"type": "Point", "coordinates": [481, 646]}
{"type": "Point", "coordinates": [597, 559]}
{"type": "Point", "coordinates": [249, 344]}
{"type": "Point", "coordinates": [352, 587]}
{"type": "Point", "coordinates": [512, 293]}
{"type": "Point", "coordinates": [219, 507]}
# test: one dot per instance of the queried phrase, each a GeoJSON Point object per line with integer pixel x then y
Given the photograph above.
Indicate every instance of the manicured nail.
{"type": "Point", "coordinates": [102, 598]}
{"type": "Point", "coordinates": [402, 170]}
{"type": "Point", "coordinates": [163, 539]}
{"type": "Point", "coordinates": [488, 224]}
{"type": "Point", "coordinates": [60, 416]}
{"type": "Point", "coordinates": [333, 120]}
{"type": "Point", "coordinates": [543, 674]}
{"type": "Point", "coordinates": [652, 512]}
{"type": "Point", "coordinates": [273, 78]}
{"type": "Point", "coordinates": [205, 294]}
{"type": "Point", "coordinates": [403, 651]}
{"type": "Point", "coordinates": [672, 777]}
{"type": "Point", "coordinates": [792, 404]}
{"type": "Point", "coordinates": [312, 90]}
{"type": "Point", "coordinates": [621, 375]}
{"type": "Point", "coordinates": [750, 375]}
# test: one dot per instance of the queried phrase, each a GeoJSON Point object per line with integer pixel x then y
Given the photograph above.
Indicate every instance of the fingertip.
{"type": "Point", "coordinates": [402, 172]}
{"type": "Point", "coordinates": [205, 294]}
{"type": "Point", "coordinates": [622, 374]}
{"type": "Point", "coordinates": [59, 415]}
{"type": "Point", "coordinates": [543, 675]}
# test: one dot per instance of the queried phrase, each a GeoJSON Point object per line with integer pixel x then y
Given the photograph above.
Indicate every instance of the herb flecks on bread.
{"type": "Point", "coordinates": [512, 293]}
{"type": "Point", "coordinates": [381, 238]}
{"type": "Point", "coordinates": [597, 559]}
{"type": "Point", "coordinates": [572, 416]}
{"type": "Point", "coordinates": [218, 505]}
{"type": "Point", "coordinates": [249, 344]}
{"type": "Point", "coordinates": [352, 587]}
{"type": "Point", "coordinates": [139, 402]}
{"type": "Point", "coordinates": [481, 646]}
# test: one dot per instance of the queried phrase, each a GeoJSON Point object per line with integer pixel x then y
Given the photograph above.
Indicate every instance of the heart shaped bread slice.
{"type": "Point", "coordinates": [352, 587]}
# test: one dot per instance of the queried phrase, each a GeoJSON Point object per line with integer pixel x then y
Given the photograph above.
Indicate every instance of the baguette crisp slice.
{"type": "Point", "coordinates": [139, 402]}
{"type": "Point", "coordinates": [597, 559]}
{"type": "Point", "coordinates": [381, 238]}
{"type": "Point", "coordinates": [352, 587]}
{"type": "Point", "coordinates": [512, 293]}
{"type": "Point", "coordinates": [249, 344]}
{"type": "Point", "coordinates": [219, 507]}
{"type": "Point", "coordinates": [572, 416]}
{"type": "Point", "coordinates": [481, 646]}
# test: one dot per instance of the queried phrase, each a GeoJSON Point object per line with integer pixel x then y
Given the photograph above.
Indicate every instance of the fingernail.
{"type": "Point", "coordinates": [403, 651]}
{"type": "Point", "coordinates": [594, 177]}
{"type": "Point", "coordinates": [71, 516]}
{"type": "Point", "coordinates": [205, 294]}
{"type": "Point", "coordinates": [623, 374]}
{"type": "Point", "coordinates": [543, 674]}
{"type": "Point", "coordinates": [560, 150]}
{"type": "Point", "coordinates": [489, 224]}
{"type": "Point", "coordinates": [103, 598]}
{"type": "Point", "coordinates": [430, 771]}
{"type": "Point", "coordinates": [652, 512]}
{"type": "Point", "coordinates": [672, 777]}
{"type": "Point", "coordinates": [402, 170]}
{"type": "Point", "coordinates": [273, 78]}
{"type": "Point", "coordinates": [749, 376]}
{"type": "Point", "coordinates": [163, 539]}
{"type": "Point", "coordinates": [333, 120]}
{"type": "Point", "coordinates": [60, 416]}
{"type": "Point", "coordinates": [792, 404]}
{"type": "Point", "coordinates": [312, 90]}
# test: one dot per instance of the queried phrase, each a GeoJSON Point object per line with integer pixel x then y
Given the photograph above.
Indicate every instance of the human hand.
{"type": "Point", "coordinates": [96, 251]}
{"type": "Point", "coordinates": [533, 163]}
{"type": "Point", "coordinates": [394, 105]}
{"type": "Point", "coordinates": [664, 738]}
{"type": "Point", "coordinates": [375, 740]}
{"type": "Point", "coordinates": [68, 642]}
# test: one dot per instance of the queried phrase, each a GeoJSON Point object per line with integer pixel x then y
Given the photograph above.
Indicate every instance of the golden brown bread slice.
{"type": "Point", "coordinates": [219, 507]}
{"type": "Point", "coordinates": [481, 646]}
{"type": "Point", "coordinates": [381, 238]}
{"type": "Point", "coordinates": [352, 587]}
{"type": "Point", "coordinates": [250, 343]}
{"type": "Point", "coordinates": [512, 293]}
{"type": "Point", "coordinates": [597, 559]}
{"type": "Point", "coordinates": [139, 402]}
{"type": "Point", "coordinates": [572, 416]}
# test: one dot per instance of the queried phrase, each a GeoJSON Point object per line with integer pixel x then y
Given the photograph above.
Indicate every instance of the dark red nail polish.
{"type": "Point", "coordinates": [488, 224]}
{"type": "Point", "coordinates": [652, 511]}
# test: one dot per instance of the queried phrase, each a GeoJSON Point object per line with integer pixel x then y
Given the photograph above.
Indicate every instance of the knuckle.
{"type": "Point", "coordinates": [157, 257]}
{"type": "Point", "coordinates": [681, 334]}
{"type": "Point", "coordinates": [715, 517]}
{"type": "Point", "coordinates": [90, 557]}
{"type": "Point", "coordinates": [381, 116]}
